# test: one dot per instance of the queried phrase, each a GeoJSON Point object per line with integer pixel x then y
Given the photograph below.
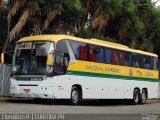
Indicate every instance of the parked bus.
{"type": "Point", "coordinates": [66, 67]}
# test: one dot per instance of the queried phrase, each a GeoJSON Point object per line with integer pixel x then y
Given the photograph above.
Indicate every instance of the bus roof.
{"type": "Point", "coordinates": [56, 38]}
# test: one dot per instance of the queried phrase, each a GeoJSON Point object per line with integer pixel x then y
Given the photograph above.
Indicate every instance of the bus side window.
{"type": "Point", "coordinates": [83, 51]}
{"type": "Point", "coordinates": [127, 59]}
{"type": "Point", "coordinates": [92, 53]}
{"type": "Point", "coordinates": [76, 48]}
{"type": "Point", "coordinates": [147, 62]}
{"type": "Point", "coordinates": [141, 61]}
{"type": "Point", "coordinates": [134, 60]}
{"type": "Point", "coordinates": [121, 56]}
{"type": "Point", "coordinates": [155, 65]}
{"type": "Point", "coordinates": [114, 57]}
{"type": "Point", "coordinates": [108, 55]}
{"type": "Point", "coordinates": [62, 57]}
{"type": "Point", "coordinates": [80, 50]}
{"type": "Point", "coordinates": [96, 54]}
{"type": "Point", "coordinates": [100, 57]}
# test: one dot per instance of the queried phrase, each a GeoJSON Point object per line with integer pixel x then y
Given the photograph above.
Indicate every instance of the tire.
{"type": "Point", "coordinates": [136, 97]}
{"type": "Point", "coordinates": [75, 96]}
{"type": "Point", "coordinates": [143, 97]}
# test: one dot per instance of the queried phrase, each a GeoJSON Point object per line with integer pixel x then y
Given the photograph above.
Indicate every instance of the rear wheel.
{"type": "Point", "coordinates": [143, 97]}
{"type": "Point", "coordinates": [136, 97]}
{"type": "Point", "coordinates": [75, 96]}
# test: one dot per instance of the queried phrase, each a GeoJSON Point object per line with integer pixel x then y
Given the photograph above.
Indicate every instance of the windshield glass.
{"type": "Point", "coordinates": [30, 58]}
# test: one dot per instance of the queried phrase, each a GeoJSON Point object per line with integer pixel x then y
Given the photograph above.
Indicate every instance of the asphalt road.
{"type": "Point", "coordinates": [87, 110]}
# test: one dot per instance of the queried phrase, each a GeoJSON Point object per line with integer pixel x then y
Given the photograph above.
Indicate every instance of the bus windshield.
{"type": "Point", "coordinates": [30, 58]}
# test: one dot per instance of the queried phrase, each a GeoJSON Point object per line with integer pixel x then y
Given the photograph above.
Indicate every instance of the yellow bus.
{"type": "Point", "coordinates": [66, 67]}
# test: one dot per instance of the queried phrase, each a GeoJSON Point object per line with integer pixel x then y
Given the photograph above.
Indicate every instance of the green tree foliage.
{"type": "Point", "coordinates": [134, 23]}
{"type": "Point", "coordinates": [3, 23]}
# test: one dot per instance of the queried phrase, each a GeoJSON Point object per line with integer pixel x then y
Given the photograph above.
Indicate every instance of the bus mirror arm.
{"type": "Point", "coordinates": [50, 59]}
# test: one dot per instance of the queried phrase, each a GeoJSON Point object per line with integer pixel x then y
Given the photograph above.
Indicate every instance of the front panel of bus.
{"type": "Point", "coordinates": [30, 73]}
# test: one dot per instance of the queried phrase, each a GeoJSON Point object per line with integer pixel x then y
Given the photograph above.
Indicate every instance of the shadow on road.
{"type": "Point", "coordinates": [66, 102]}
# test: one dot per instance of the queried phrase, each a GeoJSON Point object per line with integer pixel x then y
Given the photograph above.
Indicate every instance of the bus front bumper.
{"type": "Point", "coordinates": [31, 91]}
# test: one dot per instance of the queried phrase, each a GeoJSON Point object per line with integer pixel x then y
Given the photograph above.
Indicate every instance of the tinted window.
{"type": "Point", "coordinates": [127, 58]}
{"type": "Point", "coordinates": [148, 62]}
{"type": "Point", "coordinates": [62, 58]}
{"type": "Point", "coordinates": [100, 54]}
{"type": "Point", "coordinates": [155, 66]}
{"type": "Point", "coordinates": [62, 47]}
{"type": "Point", "coordinates": [92, 53]}
{"type": "Point", "coordinates": [140, 61]}
{"type": "Point", "coordinates": [108, 55]}
{"type": "Point", "coordinates": [134, 60]}
{"type": "Point", "coordinates": [96, 53]}
{"type": "Point", "coordinates": [121, 57]}
{"type": "Point", "coordinates": [76, 48]}
{"type": "Point", "coordinates": [114, 57]}
{"type": "Point", "coordinates": [80, 50]}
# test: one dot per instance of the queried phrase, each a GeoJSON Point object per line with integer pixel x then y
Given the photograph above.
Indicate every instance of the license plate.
{"type": "Point", "coordinates": [26, 90]}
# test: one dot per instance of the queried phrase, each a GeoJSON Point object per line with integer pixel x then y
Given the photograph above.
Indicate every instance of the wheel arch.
{"type": "Point", "coordinates": [79, 87]}
{"type": "Point", "coordinates": [136, 88]}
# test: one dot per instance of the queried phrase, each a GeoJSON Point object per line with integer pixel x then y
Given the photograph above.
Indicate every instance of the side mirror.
{"type": "Point", "coordinates": [2, 58]}
{"type": "Point", "coordinates": [50, 59]}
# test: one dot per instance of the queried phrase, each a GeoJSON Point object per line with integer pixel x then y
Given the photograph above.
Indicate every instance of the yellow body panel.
{"type": "Point", "coordinates": [100, 68]}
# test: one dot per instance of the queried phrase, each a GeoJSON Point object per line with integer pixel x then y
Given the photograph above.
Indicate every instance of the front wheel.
{"type": "Point", "coordinates": [143, 97]}
{"type": "Point", "coordinates": [75, 96]}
